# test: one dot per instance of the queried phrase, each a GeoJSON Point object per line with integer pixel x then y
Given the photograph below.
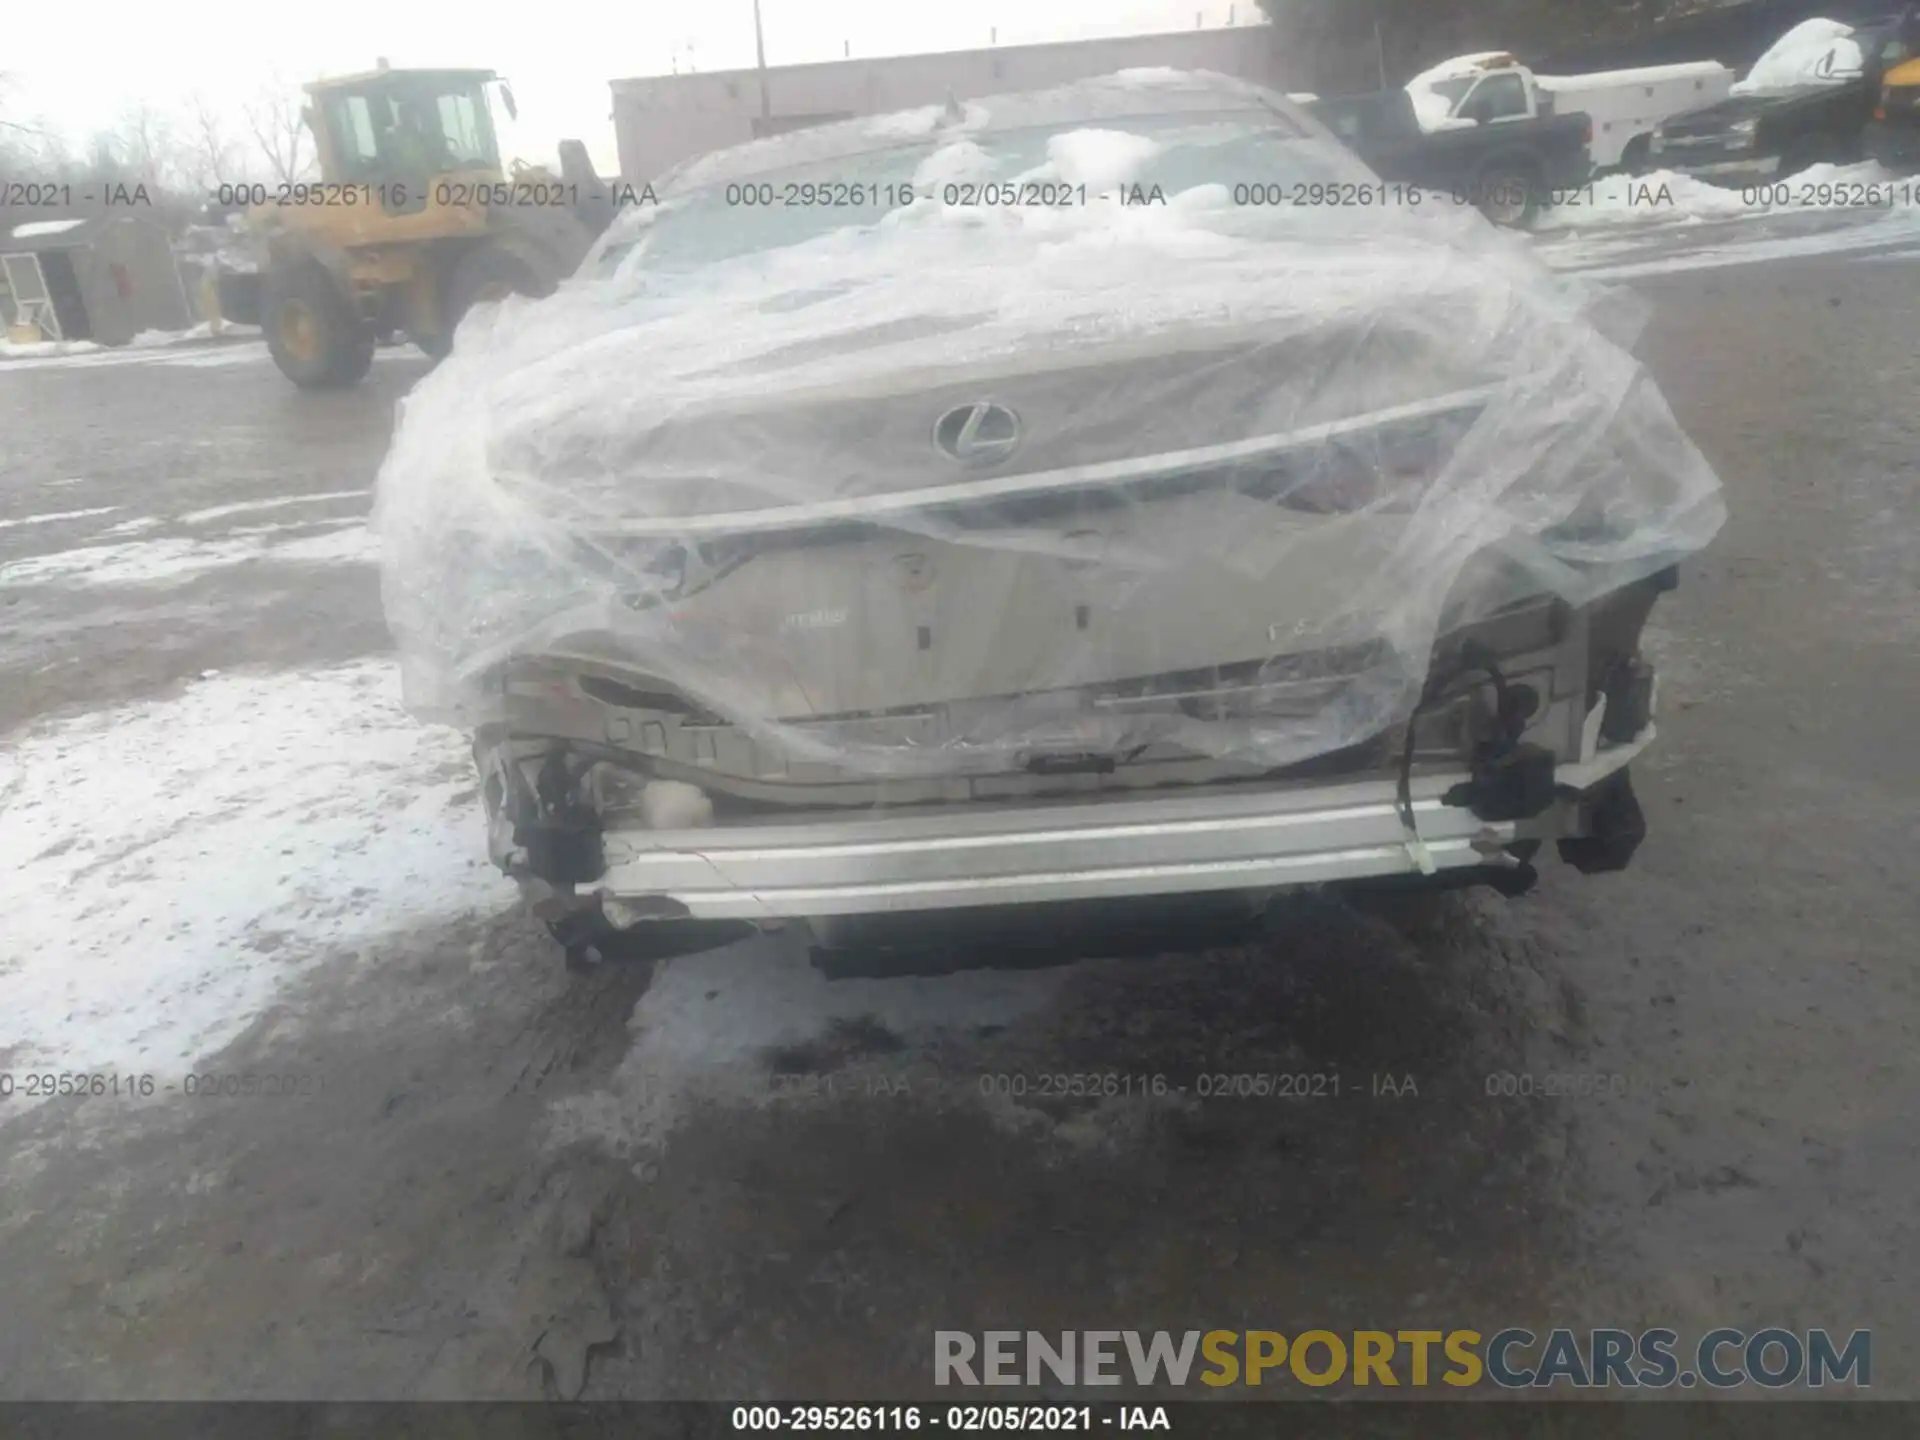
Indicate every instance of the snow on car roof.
{"type": "Point", "coordinates": [1115, 96]}
{"type": "Point", "coordinates": [1814, 52]}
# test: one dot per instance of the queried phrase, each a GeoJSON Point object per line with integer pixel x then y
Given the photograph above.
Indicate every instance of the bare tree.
{"type": "Point", "coordinates": [149, 146]}
{"type": "Point", "coordinates": [213, 158]}
{"type": "Point", "coordinates": [273, 118]}
{"type": "Point", "coordinates": [7, 86]}
{"type": "Point", "coordinates": [13, 130]}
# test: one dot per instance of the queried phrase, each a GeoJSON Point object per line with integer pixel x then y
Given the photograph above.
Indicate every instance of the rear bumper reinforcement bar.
{"type": "Point", "coordinates": [1025, 854]}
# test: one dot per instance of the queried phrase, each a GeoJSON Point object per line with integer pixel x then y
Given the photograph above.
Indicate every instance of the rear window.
{"type": "Point", "coordinates": [1055, 167]}
{"type": "Point", "coordinates": [1386, 115]}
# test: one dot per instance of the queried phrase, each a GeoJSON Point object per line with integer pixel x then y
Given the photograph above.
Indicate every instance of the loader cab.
{"type": "Point", "coordinates": [404, 128]}
{"type": "Point", "coordinates": [1893, 135]}
{"type": "Point", "coordinates": [1900, 92]}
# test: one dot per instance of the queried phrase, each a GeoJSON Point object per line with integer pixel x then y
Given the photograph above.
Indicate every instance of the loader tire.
{"type": "Point", "coordinates": [486, 273]}
{"type": "Point", "coordinates": [312, 332]}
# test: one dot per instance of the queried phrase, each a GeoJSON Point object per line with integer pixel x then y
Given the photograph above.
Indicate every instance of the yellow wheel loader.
{"type": "Point", "coordinates": [412, 221]}
{"type": "Point", "coordinates": [1893, 135]}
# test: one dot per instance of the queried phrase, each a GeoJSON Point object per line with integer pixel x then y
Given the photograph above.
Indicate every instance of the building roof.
{"type": "Point", "coordinates": [430, 74]}
{"type": "Point", "coordinates": [57, 233]}
{"type": "Point", "coordinates": [818, 67]}
{"type": "Point", "coordinates": [32, 228]}
{"type": "Point", "coordinates": [65, 231]}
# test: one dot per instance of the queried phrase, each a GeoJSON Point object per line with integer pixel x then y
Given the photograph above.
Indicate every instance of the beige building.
{"type": "Point", "coordinates": [660, 120]}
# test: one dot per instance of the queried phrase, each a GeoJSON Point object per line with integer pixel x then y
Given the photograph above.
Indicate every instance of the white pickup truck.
{"type": "Point", "coordinates": [1626, 106]}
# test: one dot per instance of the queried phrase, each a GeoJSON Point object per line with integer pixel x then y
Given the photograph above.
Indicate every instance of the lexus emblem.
{"type": "Point", "coordinates": [978, 434]}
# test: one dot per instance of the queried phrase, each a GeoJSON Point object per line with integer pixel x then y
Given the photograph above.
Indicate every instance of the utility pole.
{"type": "Point", "coordinates": [760, 55]}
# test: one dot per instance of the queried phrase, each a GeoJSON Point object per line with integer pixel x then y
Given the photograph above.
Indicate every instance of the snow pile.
{"type": "Point", "coordinates": [1667, 197]}
{"type": "Point", "coordinates": [911, 124]}
{"type": "Point", "coordinates": [45, 349]}
{"type": "Point", "coordinates": [150, 339]}
{"type": "Point", "coordinates": [145, 340]}
{"type": "Point", "coordinates": [167, 867]}
{"type": "Point", "coordinates": [1814, 52]}
{"type": "Point", "coordinates": [955, 163]}
{"type": "Point", "coordinates": [1663, 197]}
{"type": "Point", "coordinates": [1614, 255]}
{"type": "Point", "coordinates": [192, 347]}
{"type": "Point", "coordinates": [86, 355]}
{"type": "Point", "coordinates": [1098, 159]}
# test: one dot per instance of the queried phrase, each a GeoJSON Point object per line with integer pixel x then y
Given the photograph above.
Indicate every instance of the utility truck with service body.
{"type": "Point", "coordinates": [1625, 106]}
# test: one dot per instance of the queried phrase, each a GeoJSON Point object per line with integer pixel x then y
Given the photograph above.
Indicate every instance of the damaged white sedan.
{"type": "Point", "coordinates": [1113, 491]}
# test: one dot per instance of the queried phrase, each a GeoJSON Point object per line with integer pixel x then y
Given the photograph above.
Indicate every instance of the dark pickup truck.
{"type": "Point", "coordinates": [1754, 138]}
{"type": "Point", "coordinates": [1507, 167]}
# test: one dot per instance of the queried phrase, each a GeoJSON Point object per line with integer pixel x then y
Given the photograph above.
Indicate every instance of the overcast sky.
{"type": "Point", "coordinates": [80, 66]}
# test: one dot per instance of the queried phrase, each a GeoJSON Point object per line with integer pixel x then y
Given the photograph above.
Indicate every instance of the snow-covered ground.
{"type": "Point", "coordinates": [281, 502]}
{"type": "Point", "coordinates": [71, 354]}
{"type": "Point", "coordinates": [146, 340]}
{"type": "Point", "coordinates": [1624, 228]}
{"type": "Point", "coordinates": [1893, 240]}
{"type": "Point", "coordinates": [180, 557]}
{"type": "Point", "coordinates": [704, 1028]}
{"type": "Point", "coordinates": [54, 516]}
{"type": "Point", "coordinates": [1667, 197]}
{"type": "Point", "coordinates": [238, 345]}
{"type": "Point", "coordinates": [166, 867]}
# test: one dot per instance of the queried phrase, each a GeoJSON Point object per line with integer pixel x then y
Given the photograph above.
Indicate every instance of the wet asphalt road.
{"type": "Point", "coordinates": [637, 1184]}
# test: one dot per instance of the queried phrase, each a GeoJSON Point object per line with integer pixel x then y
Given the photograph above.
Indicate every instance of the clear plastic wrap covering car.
{"type": "Point", "coordinates": [1025, 418]}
